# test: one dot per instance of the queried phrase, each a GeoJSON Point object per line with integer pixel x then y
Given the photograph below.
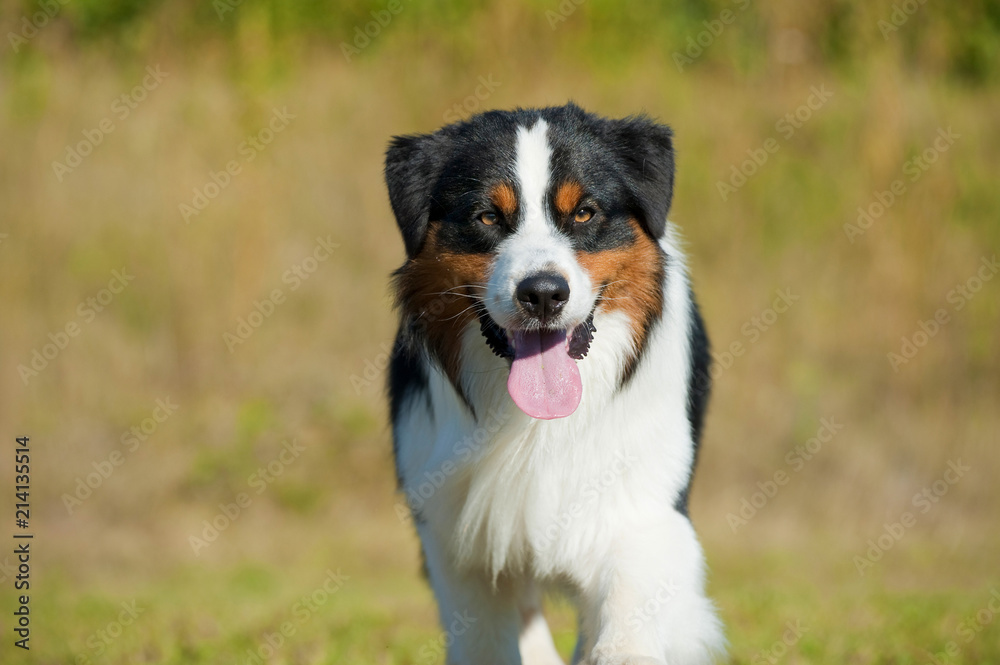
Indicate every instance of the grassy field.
{"type": "Point", "coordinates": [173, 397]}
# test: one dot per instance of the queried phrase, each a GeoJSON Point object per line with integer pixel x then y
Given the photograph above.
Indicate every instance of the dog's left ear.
{"type": "Point", "coordinates": [647, 148]}
{"type": "Point", "coordinates": [412, 167]}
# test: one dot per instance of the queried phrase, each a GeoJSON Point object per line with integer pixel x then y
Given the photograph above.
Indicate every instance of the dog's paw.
{"type": "Point", "coordinates": [622, 659]}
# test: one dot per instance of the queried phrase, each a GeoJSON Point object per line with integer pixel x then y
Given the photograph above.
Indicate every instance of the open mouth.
{"type": "Point", "coordinates": [544, 380]}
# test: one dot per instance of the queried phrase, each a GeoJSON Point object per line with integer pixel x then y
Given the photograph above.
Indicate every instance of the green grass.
{"type": "Point", "coordinates": [777, 608]}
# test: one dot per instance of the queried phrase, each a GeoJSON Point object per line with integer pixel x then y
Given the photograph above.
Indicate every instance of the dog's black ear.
{"type": "Point", "coordinates": [412, 167]}
{"type": "Point", "coordinates": [647, 148]}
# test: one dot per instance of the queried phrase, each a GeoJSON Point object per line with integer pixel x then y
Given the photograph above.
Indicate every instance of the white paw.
{"type": "Point", "coordinates": [623, 659]}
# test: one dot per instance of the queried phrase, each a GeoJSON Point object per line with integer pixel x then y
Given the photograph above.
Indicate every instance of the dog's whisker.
{"type": "Point", "coordinates": [455, 316]}
{"type": "Point", "coordinates": [454, 290]}
{"type": "Point", "coordinates": [458, 295]}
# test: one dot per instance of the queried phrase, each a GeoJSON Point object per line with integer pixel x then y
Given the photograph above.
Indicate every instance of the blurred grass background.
{"type": "Point", "coordinates": [311, 371]}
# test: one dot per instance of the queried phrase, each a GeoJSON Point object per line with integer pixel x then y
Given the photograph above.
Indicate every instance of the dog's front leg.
{"type": "Point", "coordinates": [481, 622]}
{"type": "Point", "coordinates": [646, 605]}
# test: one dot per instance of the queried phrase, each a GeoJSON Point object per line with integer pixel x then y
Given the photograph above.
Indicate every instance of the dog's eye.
{"type": "Point", "coordinates": [488, 218]}
{"type": "Point", "coordinates": [583, 215]}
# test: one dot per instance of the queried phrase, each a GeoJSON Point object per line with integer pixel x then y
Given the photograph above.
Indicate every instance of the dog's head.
{"type": "Point", "coordinates": [524, 223]}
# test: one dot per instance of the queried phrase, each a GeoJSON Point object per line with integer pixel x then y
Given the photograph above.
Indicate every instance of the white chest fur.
{"type": "Point", "coordinates": [507, 492]}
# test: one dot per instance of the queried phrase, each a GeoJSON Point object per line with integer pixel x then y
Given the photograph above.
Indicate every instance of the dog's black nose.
{"type": "Point", "coordinates": [542, 295]}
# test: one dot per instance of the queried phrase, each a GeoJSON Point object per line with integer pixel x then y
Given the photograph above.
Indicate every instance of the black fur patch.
{"type": "Point", "coordinates": [407, 381]}
{"type": "Point", "coordinates": [699, 390]}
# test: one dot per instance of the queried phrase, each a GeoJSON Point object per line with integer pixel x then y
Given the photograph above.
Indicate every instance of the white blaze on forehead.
{"type": "Point", "coordinates": [533, 154]}
{"type": "Point", "coordinates": [536, 245]}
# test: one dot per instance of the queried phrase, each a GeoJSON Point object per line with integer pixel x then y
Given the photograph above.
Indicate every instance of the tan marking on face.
{"type": "Point", "coordinates": [568, 197]}
{"type": "Point", "coordinates": [437, 290]}
{"type": "Point", "coordinates": [504, 198]}
{"type": "Point", "coordinates": [632, 278]}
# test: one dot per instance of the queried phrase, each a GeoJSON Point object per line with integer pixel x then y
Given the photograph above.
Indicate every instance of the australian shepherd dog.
{"type": "Point", "coordinates": [548, 386]}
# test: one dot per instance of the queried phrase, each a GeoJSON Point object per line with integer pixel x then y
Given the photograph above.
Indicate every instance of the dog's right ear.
{"type": "Point", "coordinates": [413, 165]}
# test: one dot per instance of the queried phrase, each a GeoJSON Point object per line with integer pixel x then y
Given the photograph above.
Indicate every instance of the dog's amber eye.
{"type": "Point", "coordinates": [583, 215]}
{"type": "Point", "coordinates": [488, 218]}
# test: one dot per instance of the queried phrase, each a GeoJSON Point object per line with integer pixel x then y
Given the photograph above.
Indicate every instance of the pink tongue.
{"type": "Point", "coordinates": [544, 381]}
